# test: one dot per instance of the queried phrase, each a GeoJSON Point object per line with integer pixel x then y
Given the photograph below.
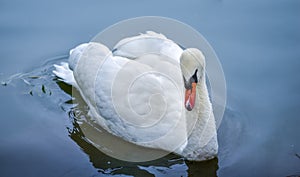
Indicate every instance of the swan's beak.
{"type": "Point", "coordinates": [190, 97]}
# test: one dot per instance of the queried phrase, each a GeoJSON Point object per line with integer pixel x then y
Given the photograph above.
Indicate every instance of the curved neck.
{"type": "Point", "coordinates": [200, 121]}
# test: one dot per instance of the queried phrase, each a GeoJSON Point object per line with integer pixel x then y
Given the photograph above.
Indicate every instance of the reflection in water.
{"type": "Point", "coordinates": [170, 165]}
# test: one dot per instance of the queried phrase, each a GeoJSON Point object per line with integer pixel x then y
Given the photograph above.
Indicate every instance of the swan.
{"type": "Point", "coordinates": [182, 121]}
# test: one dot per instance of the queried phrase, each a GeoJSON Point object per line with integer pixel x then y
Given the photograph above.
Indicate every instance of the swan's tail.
{"type": "Point", "coordinates": [65, 74]}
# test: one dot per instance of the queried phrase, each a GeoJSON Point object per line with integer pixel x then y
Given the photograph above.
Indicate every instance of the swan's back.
{"type": "Point", "coordinates": [150, 42]}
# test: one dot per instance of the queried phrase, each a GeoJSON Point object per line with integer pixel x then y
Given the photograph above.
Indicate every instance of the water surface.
{"type": "Point", "coordinates": [257, 43]}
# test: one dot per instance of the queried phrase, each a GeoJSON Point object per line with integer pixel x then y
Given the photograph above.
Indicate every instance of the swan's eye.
{"type": "Point", "coordinates": [194, 78]}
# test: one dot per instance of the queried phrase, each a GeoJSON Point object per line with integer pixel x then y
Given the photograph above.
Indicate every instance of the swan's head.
{"type": "Point", "coordinates": [192, 63]}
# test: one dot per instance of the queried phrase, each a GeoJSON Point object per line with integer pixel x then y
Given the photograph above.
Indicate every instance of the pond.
{"type": "Point", "coordinates": [257, 43]}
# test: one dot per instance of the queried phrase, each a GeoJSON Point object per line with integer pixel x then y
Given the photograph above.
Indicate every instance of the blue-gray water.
{"type": "Point", "coordinates": [258, 44]}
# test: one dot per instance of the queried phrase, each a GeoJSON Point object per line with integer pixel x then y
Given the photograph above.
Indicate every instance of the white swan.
{"type": "Point", "coordinates": [116, 89]}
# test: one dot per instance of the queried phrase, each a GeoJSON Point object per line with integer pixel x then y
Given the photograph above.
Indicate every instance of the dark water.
{"type": "Point", "coordinates": [258, 44]}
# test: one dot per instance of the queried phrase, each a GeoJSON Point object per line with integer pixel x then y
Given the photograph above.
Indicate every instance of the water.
{"type": "Point", "coordinates": [257, 43]}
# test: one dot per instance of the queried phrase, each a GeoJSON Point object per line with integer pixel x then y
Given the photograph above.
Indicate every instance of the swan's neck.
{"type": "Point", "coordinates": [202, 123]}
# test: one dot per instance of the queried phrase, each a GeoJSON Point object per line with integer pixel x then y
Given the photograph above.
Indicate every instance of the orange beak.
{"type": "Point", "coordinates": [190, 97]}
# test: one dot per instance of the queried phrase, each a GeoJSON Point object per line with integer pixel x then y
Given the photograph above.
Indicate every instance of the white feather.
{"type": "Point", "coordinates": [65, 74]}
